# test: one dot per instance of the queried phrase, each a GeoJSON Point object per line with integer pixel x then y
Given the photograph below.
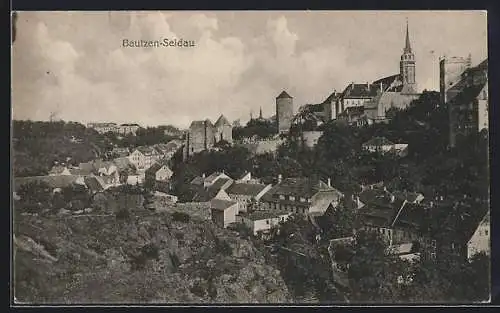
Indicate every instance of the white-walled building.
{"type": "Point", "coordinates": [262, 221]}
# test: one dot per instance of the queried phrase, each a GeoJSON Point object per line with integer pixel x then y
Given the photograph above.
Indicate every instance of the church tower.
{"type": "Point", "coordinates": [407, 67]}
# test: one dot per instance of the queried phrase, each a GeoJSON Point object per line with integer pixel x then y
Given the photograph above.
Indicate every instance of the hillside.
{"type": "Point", "coordinates": [147, 257]}
{"type": "Point", "coordinates": [36, 145]}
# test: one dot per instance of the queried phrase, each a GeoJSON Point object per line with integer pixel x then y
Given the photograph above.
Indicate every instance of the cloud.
{"type": "Point", "coordinates": [73, 62]}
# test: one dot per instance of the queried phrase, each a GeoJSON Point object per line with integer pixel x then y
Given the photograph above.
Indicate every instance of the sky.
{"type": "Point", "coordinates": [73, 64]}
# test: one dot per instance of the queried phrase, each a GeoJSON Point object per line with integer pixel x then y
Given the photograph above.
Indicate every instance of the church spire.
{"type": "Point", "coordinates": [260, 113]}
{"type": "Point", "coordinates": [407, 44]}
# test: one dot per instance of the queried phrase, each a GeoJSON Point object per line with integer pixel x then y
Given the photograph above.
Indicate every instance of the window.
{"type": "Point", "coordinates": [292, 198]}
{"type": "Point", "coordinates": [282, 197]}
{"type": "Point", "coordinates": [267, 222]}
{"type": "Point", "coordinates": [486, 232]}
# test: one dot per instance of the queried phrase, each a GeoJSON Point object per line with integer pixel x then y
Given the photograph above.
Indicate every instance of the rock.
{"type": "Point", "coordinates": [64, 211]}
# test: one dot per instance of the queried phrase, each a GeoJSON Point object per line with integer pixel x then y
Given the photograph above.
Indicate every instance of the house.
{"type": "Point", "coordinates": [223, 212]}
{"type": "Point", "coordinates": [59, 170]}
{"type": "Point", "coordinates": [125, 129]}
{"type": "Point", "coordinates": [301, 195]}
{"type": "Point", "coordinates": [159, 172]}
{"type": "Point", "coordinates": [246, 193]}
{"type": "Point", "coordinates": [143, 157]}
{"type": "Point", "coordinates": [397, 220]}
{"type": "Point", "coordinates": [261, 222]}
{"type": "Point", "coordinates": [210, 180]}
{"type": "Point", "coordinates": [135, 179]}
{"type": "Point", "coordinates": [411, 197]}
{"type": "Point", "coordinates": [208, 192]}
{"type": "Point", "coordinates": [120, 152]}
{"type": "Point", "coordinates": [480, 240]}
{"type": "Point", "coordinates": [106, 170]}
{"type": "Point", "coordinates": [247, 178]}
{"type": "Point", "coordinates": [383, 145]}
{"type": "Point", "coordinates": [103, 128]}
{"type": "Point", "coordinates": [167, 150]}
{"type": "Point", "coordinates": [93, 184]}
{"type": "Point", "coordinates": [158, 175]}
{"type": "Point", "coordinates": [378, 144]}
{"type": "Point", "coordinates": [353, 116]}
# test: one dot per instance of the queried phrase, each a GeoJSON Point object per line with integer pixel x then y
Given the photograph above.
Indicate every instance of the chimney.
{"type": "Point", "coordinates": [329, 182]}
{"type": "Point", "coordinates": [352, 85]}
{"type": "Point", "coordinates": [368, 86]}
{"type": "Point", "coordinates": [203, 175]}
{"type": "Point", "coordinates": [280, 178]}
{"type": "Point", "coordinates": [381, 87]}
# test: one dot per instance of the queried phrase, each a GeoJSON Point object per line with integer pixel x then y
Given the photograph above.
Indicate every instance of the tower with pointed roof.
{"type": "Point", "coordinates": [407, 66]}
{"type": "Point", "coordinates": [284, 112]}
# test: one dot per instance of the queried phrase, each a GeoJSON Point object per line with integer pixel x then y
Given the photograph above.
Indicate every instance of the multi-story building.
{"type": "Point", "coordinates": [301, 195]}
{"type": "Point", "coordinates": [373, 100]}
{"type": "Point", "coordinates": [467, 102]}
{"type": "Point", "coordinates": [125, 129]}
{"type": "Point", "coordinates": [103, 128]}
{"type": "Point", "coordinates": [203, 135]}
{"type": "Point", "coordinates": [144, 157]}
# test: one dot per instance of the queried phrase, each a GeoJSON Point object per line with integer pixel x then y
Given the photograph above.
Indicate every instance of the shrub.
{"type": "Point", "coordinates": [180, 217]}
{"type": "Point", "coordinates": [150, 251]}
{"type": "Point", "coordinates": [123, 214]}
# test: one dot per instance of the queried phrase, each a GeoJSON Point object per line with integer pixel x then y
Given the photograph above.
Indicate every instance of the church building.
{"type": "Point", "coordinates": [374, 99]}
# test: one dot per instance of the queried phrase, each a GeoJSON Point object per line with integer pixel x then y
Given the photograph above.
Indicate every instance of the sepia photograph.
{"type": "Point", "coordinates": [250, 158]}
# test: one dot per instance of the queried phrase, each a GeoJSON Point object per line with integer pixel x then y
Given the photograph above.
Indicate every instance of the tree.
{"type": "Point", "coordinates": [337, 222]}
{"type": "Point", "coordinates": [373, 271]}
{"type": "Point", "coordinates": [36, 193]}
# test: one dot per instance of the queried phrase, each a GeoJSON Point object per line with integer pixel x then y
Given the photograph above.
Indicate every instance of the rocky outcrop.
{"type": "Point", "coordinates": [148, 258]}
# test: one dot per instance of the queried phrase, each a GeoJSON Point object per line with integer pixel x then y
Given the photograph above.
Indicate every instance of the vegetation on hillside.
{"type": "Point", "coordinates": [38, 145]}
{"type": "Point", "coordinates": [121, 252]}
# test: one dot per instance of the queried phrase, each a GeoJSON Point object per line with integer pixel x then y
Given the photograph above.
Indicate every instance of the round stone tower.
{"type": "Point", "coordinates": [284, 112]}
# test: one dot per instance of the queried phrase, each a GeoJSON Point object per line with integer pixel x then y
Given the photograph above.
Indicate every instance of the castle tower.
{"type": "Point", "coordinates": [284, 112]}
{"type": "Point", "coordinates": [407, 66]}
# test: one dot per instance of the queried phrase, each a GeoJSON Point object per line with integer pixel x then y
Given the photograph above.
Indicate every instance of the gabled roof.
{"type": "Point", "coordinates": [207, 193]}
{"type": "Point", "coordinates": [93, 184]}
{"type": "Point", "coordinates": [198, 180]}
{"type": "Point", "coordinates": [333, 96]}
{"type": "Point", "coordinates": [284, 95]}
{"type": "Point", "coordinates": [360, 91]}
{"type": "Point", "coordinates": [146, 150]}
{"type": "Point", "coordinates": [411, 216]}
{"type": "Point", "coordinates": [263, 215]}
{"type": "Point", "coordinates": [222, 121]}
{"type": "Point", "coordinates": [221, 205]}
{"type": "Point", "coordinates": [378, 141]}
{"type": "Point", "coordinates": [155, 168]}
{"type": "Point", "coordinates": [300, 187]}
{"type": "Point", "coordinates": [246, 189]}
